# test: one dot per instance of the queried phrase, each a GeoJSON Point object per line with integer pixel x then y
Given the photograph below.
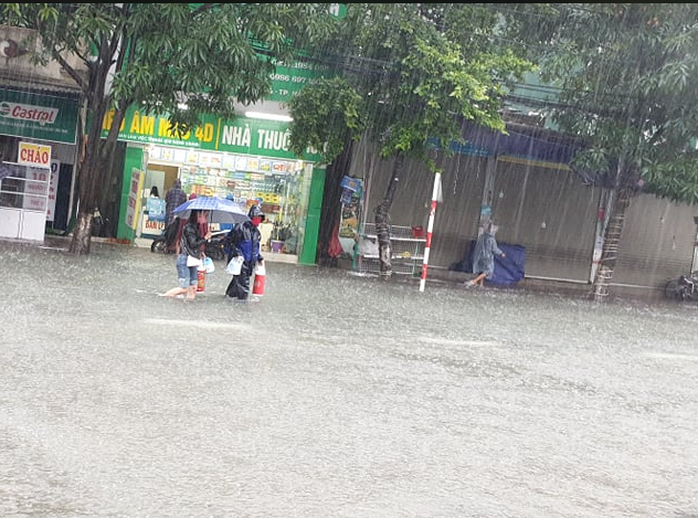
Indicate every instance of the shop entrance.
{"type": "Point", "coordinates": [280, 187]}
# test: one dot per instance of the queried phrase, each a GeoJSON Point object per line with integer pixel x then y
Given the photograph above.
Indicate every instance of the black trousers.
{"type": "Point", "coordinates": [239, 287]}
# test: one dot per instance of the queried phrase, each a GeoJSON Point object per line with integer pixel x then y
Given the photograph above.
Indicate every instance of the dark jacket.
{"type": "Point", "coordinates": [244, 239]}
{"type": "Point", "coordinates": [191, 241]}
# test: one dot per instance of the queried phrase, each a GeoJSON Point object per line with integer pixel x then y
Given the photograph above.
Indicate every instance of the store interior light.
{"type": "Point", "coordinates": [268, 116]}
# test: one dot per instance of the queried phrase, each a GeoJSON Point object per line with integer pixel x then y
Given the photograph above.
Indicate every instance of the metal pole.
{"type": "Point", "coordinates": [436, 194]}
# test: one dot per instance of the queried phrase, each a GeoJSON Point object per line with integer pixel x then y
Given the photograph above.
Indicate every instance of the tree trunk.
{"type": "Point", "coordinates": [98, 159]}
{"type": "Point", "coordinates": [609, 252]}
{"type": "Point", "coordinates": [330, 212]}
{"type": "Point", "coordinates": [385, 249]}
{"type": "Point", "coordinates": [98, 154]}
{"type": "Point", "coordinates": [89, 178]}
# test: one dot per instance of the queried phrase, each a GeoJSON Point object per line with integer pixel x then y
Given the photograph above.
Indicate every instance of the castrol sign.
{"type": "Point", "coordinates": [35, 155]}
{"type": "Point", "coordinates": [28, 112]}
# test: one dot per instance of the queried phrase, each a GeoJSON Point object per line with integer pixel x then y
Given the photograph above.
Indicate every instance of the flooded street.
{"type": "Point", "coordinates": [334, 396]}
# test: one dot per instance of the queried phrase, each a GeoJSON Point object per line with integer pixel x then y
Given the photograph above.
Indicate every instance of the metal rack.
{"type": "Point", "coordinates": [407, 256]}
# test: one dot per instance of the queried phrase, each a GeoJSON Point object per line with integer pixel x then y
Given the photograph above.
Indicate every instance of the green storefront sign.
{"type": "Point", "coordinates": [241, 135]}
{"type": "Point", "coordinates": [40, 117]}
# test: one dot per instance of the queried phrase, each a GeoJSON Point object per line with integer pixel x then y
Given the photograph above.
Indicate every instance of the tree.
{"type": "Point", "coordinates": [180, 60]}
{"type": "Point", "coordinates": [406, 76]}
{"type": "Point", "coordinates": [628, 75]}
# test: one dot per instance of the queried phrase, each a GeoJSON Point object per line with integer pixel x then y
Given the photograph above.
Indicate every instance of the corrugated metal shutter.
{"type": "Point", "coordinates": [657, 242]}
{"type": "Point", "coordinates": [546, 210]}
{"type": "Point", "coordinates": [551, 214]}
{"type": "Point", "coordinates": [456, 220]}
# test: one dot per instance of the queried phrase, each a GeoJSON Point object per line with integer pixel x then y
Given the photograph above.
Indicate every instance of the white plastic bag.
{"type": "Point", "coordinates": [235, 265]}
{"type": "Point", "coordinates": [260, 270]}
{"type": "Point", "coordinates": [193, 261]}
{"type": "Point", "coordinates": [207, 265]}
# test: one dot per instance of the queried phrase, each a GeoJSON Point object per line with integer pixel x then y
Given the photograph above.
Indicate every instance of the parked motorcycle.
{"type": "Point", "coordinates": [214, 248]}
{"type": "Point", "coordinates": [685, 287]}
{"type": "Point", "coordinates": [165, 244]}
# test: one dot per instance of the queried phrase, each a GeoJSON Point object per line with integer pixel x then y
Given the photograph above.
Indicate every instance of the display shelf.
{"type": "Point", "coordinates": [407, 250]}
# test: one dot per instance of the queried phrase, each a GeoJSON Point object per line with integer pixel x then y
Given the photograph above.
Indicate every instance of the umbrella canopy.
{"type": "Point", "coordinates": [221, 210]}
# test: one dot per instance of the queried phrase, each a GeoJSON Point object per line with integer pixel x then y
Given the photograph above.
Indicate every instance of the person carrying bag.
{"type": "Point", "coordinates": [189, 258]}
{"type": "Point", "coordinates": [244, 240]}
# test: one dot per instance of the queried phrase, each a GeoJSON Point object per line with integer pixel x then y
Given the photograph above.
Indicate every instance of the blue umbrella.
{"type": "Point", "coordinates": [220, 210]}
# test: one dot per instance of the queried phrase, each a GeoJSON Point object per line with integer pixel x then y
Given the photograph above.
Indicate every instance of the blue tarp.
{"type": "Point", "coordinates": [507, 270]}
{"type": "Point", "coordinates": [510, 269]}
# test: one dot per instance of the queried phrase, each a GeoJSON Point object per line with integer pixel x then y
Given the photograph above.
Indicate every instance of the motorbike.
{"type": "Point", "coordinates": [685, 287]}
{"type": "Point", "coordinates": [165, 244]}
{"type": "Point", "coordinates": [215, 247]}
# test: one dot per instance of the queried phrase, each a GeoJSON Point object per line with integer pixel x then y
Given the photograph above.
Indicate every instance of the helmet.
{"type": "Point", "coordinates": [255, 211]}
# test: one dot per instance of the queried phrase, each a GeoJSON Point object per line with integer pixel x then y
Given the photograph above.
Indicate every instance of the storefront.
{"type": "Point", "coordinates": [37, 144]}
{"type": "Point", "coordinates": [246, 160]}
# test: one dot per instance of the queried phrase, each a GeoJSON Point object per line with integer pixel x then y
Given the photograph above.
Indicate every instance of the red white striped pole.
{"type": "Point", "coordinates": [435, 197]}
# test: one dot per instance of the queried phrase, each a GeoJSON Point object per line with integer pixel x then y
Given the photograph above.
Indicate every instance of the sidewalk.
{"type": "Point", "coordinates": [434, 274]}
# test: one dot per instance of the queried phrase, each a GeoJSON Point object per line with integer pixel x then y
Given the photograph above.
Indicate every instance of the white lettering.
{"type": "Point", "coordinates": [272, 139]}
{"type": "Point", "coordinates": [236, 136]}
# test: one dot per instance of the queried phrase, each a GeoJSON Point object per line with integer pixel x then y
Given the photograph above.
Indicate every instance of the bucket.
{"type": "Point", "coordinates": [418, 232]}
{"type": "Point", "coordinates": [201, 281]}
{"type": "Point", "coordinates": [259, 280]}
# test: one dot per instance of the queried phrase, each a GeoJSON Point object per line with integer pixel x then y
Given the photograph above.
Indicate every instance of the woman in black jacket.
{"type": "Point", "coordinates": [189, 245]}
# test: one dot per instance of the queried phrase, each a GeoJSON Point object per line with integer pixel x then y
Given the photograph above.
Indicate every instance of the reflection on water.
{"type": "Point", "coordinates": [334, 395]}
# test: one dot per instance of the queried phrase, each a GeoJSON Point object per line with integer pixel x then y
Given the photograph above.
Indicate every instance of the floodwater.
{"type": "Point", "coordinates": [334, 396]}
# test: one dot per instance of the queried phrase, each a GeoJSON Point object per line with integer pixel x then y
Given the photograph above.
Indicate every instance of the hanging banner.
{"type": "Point", "coordinates": [156, 209]}
{"type": "Point", "coordinates": [352, 191]}
{"type": "Point", "coordinates": [52, 190]}
{"type": "Point", "coordinates": [134, 200]}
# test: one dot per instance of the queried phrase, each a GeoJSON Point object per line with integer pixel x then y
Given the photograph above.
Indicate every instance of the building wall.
{"type": "Point", "coordinates": [20, 69]}
{"type": "Point", "coordinates": [657, 243]}
{"type": "Point", "coordinates": [551, 214]}
{"type": "Point", "coordinates": [544, 208]}
{"type": "Point", "coordinates": [456, 218]}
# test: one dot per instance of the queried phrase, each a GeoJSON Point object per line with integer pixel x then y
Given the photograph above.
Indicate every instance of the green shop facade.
{"type": "Point", "coordinates": [246, 159]}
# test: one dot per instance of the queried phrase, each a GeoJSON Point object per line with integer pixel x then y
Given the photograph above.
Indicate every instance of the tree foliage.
{"type": "Point", "coordinates": [629, 79]}
{"type": "Point", "coordinates": [163, 57]}
{"type": "Point", "coordinates": [406, 76]}
{"type": "Point", "coordinates": [628, 75]}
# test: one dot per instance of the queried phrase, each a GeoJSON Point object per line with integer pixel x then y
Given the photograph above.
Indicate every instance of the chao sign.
{"type": "Point", "coordinates": [35, 155]}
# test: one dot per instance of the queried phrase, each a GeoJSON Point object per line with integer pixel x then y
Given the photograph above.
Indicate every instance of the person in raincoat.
{"type": "Point", "coordinates": [244, 239]}
{"type": "Point", "coordinates": [483, 256]}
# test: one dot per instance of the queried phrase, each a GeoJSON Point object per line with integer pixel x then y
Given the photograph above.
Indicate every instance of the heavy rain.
{"type": "Point", "coordinates": [368, 378]}
{"type": "Point", "coordinates": [334, 395]}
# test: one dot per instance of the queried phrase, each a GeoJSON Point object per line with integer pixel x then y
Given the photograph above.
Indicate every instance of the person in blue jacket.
{"type": "Point", "coordinates": [483, 256]}
{"type": "Point", "coordinates": [244, 239]}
